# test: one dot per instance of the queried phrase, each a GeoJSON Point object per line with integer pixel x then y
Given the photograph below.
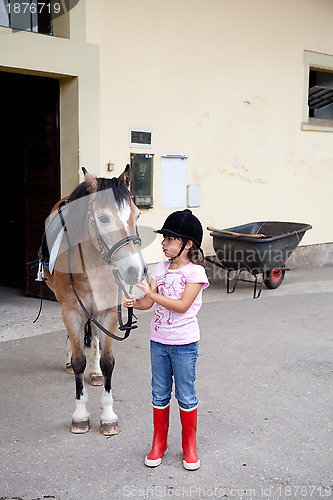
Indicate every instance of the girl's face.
{"type": "Point", "coordinates": [171, 246]}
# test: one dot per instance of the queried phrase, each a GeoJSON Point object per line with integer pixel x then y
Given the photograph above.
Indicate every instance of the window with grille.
{"type": "Point", "coordinates": [30, 15]}
{"type": "Point", "coordinates": [318, 92]}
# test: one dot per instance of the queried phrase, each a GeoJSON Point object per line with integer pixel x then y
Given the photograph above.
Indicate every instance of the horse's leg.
{"type": "Point", "coordinates": [49, 279]}
{"type": "Point", "coordinates": [95, 374]}
{"type": "Point", "coordinates": [80, 421]}
{"type": "Point", "coordinates": [69, 368]}
{"type": "Point", "coordinates": [109, 420]}
{"type": "Point", "coordinates": [74, 323]}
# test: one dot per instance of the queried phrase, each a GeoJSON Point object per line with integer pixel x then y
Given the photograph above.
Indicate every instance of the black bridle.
{"type": "Point", "coordinates": [107, 254]}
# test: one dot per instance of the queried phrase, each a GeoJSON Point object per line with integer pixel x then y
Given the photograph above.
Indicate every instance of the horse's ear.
{"type": "Point", "coordinates": [126, 175]}
{"type": "Point", "coordinates": [90, 180]}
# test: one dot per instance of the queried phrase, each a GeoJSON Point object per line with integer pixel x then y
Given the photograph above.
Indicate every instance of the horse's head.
{"type": "Point", "coordinates": [112, 218]}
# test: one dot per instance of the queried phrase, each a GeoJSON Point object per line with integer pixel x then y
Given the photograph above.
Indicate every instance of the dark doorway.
{"type": "Point", "coordinates": [30, 173]}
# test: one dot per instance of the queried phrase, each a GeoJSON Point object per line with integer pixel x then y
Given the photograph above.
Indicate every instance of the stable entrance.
{"type": "Point", "coordinates": [30, 173]}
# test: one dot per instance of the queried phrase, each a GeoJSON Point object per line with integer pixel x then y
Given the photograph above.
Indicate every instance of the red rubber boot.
{"type": "Point", "coordinates": [161, 427]}
{"type": "Point", "coordinates": [188, 420]}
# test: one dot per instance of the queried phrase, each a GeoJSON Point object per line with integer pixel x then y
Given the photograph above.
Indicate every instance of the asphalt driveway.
{"type": "Point", "coordinates": [264, 419]}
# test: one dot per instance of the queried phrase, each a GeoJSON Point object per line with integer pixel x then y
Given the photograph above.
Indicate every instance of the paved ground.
{"type": "Point", "coordinates": [265, 415]}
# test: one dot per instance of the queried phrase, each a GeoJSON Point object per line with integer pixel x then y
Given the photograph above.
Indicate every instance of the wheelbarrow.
{"type": "Point", "coordinates": [260, 248]}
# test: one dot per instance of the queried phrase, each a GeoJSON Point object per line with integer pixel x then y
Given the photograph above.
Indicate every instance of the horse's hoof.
{"type": "Point", "coordinates": [96, 379]}
{"type": "Point", "coordinates": [69, 368]}
{"type": "Point", "coordinates": [109, 428]}
{"type": "Point", "coordinates": [80, 426]}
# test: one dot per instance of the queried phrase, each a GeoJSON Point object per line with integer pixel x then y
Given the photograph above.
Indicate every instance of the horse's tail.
{"type": "Point", "coordinates": [87, 334]}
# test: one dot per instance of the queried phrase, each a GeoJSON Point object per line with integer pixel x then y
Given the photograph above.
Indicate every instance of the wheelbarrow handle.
{"type": "Point", "coordinates": [239, 235]}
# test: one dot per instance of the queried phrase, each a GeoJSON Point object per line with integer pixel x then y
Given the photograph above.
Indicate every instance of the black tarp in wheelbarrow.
{"type": "Point", "coordinates": [257, 247]}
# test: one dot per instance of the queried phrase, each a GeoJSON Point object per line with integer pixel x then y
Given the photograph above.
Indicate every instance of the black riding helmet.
{"type": "Point", "coordinates": [183, 224]}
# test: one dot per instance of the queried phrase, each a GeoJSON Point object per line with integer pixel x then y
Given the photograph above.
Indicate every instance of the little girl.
{"type": "Point", "coordinates": [176, 288]}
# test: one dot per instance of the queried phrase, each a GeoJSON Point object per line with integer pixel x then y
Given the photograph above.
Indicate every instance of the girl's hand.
{"type": "Point", "coordinates": [145, 288]}
{"type": "Point", "coordinates": [130, 302]}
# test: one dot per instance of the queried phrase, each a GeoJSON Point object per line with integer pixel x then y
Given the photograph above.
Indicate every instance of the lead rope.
{"type": "Point", "coordinates": [40, 278]}
{"type": "Point", "coordinates": [127, 327]}
{"type": "Point", "coordinates": [41, 303]}
{"type": "Point", "coordinates": [130, 323]}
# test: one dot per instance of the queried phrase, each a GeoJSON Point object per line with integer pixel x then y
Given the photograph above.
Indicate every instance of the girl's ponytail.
{"type": "Point", "coordinates": [195, 255]}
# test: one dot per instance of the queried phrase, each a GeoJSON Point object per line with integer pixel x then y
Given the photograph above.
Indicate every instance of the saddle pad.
{"type": "Point", "coordinates": [52, 238]}
{"type": "Point", "coordinates": [55, 250]}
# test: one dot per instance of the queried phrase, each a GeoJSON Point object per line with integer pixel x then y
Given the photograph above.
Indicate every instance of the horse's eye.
{"type": "Point", "coordinates": [104, 219]}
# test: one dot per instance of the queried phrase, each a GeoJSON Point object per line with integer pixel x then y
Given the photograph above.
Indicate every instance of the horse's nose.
{"type": "Point", "coordinates": [132, 276]}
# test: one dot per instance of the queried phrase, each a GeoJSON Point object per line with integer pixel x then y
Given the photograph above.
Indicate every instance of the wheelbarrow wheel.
{"type": "Point", "coordinates": [274, 278]}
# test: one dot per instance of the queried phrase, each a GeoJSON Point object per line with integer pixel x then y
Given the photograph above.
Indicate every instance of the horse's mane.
{"type": "Point", "coordinates": [119, 189]}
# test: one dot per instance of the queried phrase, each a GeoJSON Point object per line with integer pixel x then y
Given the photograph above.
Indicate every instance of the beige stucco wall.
{"type": "Point", "coordinates": [222, 82]}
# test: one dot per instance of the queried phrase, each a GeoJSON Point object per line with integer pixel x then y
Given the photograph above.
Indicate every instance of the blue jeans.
{"type": "Point", "coordinates": [178, 362]}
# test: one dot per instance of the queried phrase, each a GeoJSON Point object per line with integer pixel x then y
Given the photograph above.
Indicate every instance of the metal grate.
{"type": "Point", "coordinates": [141, 137]}
{"type": "Point", "coordinates": [320, 97]}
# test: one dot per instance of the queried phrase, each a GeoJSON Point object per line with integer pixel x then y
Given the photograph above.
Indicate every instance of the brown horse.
{"type": "Point", "coordinates": [90, 235]}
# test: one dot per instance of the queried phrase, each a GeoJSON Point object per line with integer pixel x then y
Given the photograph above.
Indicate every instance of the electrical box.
{"type": "Point", "coordinates": [142, 179]}
{"type": "Point", "coordinates": [174, 168]}
{"type": "Point", "coordinates": [193, 195]}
